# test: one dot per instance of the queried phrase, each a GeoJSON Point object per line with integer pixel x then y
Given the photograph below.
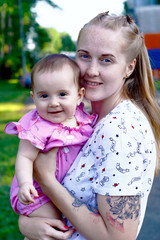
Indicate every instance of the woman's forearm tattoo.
{"type": "Point", "coordinates": [77, 203]}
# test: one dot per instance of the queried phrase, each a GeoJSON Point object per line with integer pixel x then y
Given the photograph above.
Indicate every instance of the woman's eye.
{"type": "Point", "coordinates": [44, 95]}
{"type": "Point", "coordinates": [62, 94]}
{"type": "Point", "coordinates": [84, 56]}
{"type": "Point", "coordinates": [105, 60]}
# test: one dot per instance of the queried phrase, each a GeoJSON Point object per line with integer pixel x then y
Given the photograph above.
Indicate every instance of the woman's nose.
{"type": "Point", "coordinates": [93, 69]}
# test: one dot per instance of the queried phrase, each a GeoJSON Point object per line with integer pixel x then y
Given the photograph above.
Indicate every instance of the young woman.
{"type": "Point", "coordinates": [105, 192]}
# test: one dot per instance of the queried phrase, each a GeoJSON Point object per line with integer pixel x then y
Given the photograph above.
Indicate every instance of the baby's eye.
{"type": "Point", "coordinates": [62, 94]}
{"type": "Point", "coordinates": [44, 95]}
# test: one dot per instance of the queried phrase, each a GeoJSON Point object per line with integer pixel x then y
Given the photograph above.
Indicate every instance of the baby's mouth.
{"type": "Point", "coordinates": [55, 112]}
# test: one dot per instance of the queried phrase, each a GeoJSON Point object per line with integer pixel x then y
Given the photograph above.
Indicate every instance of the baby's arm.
{"type": "Point", "coordinates": [27, 153]}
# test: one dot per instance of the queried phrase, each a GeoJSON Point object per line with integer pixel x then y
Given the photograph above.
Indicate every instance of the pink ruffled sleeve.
{"type": "Point", "coordinates": [31, 127]}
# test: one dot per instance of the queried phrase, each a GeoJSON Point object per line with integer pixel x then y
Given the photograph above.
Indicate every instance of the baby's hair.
{"type": "Point", "coordinates": [54, 62]}
{"type": "Point", "coordinates": [139, 86]}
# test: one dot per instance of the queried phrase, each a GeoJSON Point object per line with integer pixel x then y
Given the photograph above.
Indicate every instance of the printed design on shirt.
{"type": "Point", "coordinates": [70, 172]}
{"type": "Point", "coordinates": [83, 189]}
{"type": "Point", "coordinates": [102, 149]}
{"type": "Point", "coordinates": [146, 162]}
{"type": "Point", "coordinates": [113, 144]}
{"type": "Point", "coordinates": [104, 180]}
{"type": "Point", "coordinates": [80, 176]}
{"type": "Point", "coordinates": [83, 165]}
{"type": "Point", "coordinates": [103, 159]}
{"type": "Point", "coordinates": [97, 132]}
{"type": "Point", "coordinates": [87, 153]}
{"type": "Point", "coordinates": [137, 151]}
{"type": "Point", "coordinates": [122, 170]}
{"type": "Point", "coordinates": [122, 126]}
{"type": "Point", "coordinates": [115, 184]}
{"type": "Point", "coordinates": [92, 168]}
{"type": "Point", "coordinates": [135, 179]}
{"type": "Point", "coordinates": [150, 181]}
{"type": "Point", "coordinates": [72, 192]}
{"type": "Point", "coordinates": [143, 133]}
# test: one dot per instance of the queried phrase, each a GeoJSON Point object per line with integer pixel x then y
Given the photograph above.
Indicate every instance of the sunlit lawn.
{"type": "Point", "coordinates": [12, 98]}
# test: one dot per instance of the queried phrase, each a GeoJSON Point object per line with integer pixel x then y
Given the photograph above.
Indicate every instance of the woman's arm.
{"type": "Point", "coordinates": [106, 225]}
{"type": "Point", "coordinates": [36, 228]}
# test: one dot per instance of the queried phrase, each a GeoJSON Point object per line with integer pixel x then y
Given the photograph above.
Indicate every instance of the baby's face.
{"type": "Point", "coordinates": [56, 95]}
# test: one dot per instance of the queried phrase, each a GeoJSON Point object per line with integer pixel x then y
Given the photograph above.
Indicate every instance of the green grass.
{"type": "Point", "coordinates": [12, 101]}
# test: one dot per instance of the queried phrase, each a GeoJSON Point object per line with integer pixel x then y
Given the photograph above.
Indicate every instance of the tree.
{"type": "Point", "coordinates": [55, 44]}
{"type": "Point", "coordinates": [10, 40]}
{"type": "Point", "coordinates": [67, 43]}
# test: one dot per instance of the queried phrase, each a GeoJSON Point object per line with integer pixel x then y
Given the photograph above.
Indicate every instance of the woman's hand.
{"type": "Point", "coordinates": [36, 228]}
{"type": "Point", "coordinates": [45, 167]}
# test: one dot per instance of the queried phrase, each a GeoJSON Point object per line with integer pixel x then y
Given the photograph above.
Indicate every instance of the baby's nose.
{"type": "Point", "coordinates": [53, 102]}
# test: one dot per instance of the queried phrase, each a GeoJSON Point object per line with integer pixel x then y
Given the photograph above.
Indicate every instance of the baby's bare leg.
{"type": "Point", "coordinates": [47, 210]}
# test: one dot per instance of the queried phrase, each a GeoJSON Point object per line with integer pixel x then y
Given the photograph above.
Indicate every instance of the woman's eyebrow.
{"type": "Point", "coordinates": [103, 55]}
{"type": "Point", "coordinates": [108, 55]}
{"type": "Point", "coordinates": [82, 50]}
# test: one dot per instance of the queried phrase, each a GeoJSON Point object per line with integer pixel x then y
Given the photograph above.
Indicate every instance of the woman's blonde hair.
{"type": "Point", "coordinates": [139, 86]}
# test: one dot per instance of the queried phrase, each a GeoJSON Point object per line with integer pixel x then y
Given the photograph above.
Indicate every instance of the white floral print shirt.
{"type": "Point", "coordinates": [118, 160]}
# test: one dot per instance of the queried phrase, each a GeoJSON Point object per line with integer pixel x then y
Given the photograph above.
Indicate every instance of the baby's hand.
{"type": "Point", "coordinates": [26, 193]}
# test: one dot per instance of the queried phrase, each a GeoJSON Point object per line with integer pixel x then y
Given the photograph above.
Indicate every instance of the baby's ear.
{"type": "Point", "coordinates": [81, 93]}
{"type": "Point", "coordinates": [31, 93]}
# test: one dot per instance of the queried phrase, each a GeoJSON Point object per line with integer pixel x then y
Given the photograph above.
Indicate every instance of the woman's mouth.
{"type": "Point", "coordinates": [92, 83]}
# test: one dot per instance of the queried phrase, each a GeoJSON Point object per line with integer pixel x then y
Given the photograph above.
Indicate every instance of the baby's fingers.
{"type": "Point", "coordinates": [26, 199]}
{"type": "Point", "coordinates": [33, 191]}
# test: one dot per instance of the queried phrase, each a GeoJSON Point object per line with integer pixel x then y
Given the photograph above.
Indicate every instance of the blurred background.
{"type": "Point", "coordinates": [31, 29]}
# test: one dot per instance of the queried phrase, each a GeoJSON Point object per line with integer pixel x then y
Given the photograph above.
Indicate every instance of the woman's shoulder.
{"type": "Point", "coordinates": [126, 110]}
{"type": "Point", "coordinates": [125, 118]}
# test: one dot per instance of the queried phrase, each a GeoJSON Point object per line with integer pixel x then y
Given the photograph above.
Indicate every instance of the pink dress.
{"type": "Point", "coordinates": [46, 135]}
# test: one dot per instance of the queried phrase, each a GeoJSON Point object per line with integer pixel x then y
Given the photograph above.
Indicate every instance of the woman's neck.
{"type": "Point", "coordinates": [102, 108]}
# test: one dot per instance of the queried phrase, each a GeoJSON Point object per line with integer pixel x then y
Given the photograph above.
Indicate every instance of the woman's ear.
{"type": "Point", "coordinates": [130, 68]}
{"type": "Point", "coordinates": [31, 93]}
{"type": "Point", "coordinates": [81, 93]}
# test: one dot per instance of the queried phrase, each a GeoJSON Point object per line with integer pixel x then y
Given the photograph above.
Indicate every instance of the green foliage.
{"type": "Point", "coordinates": [157, 84]}
{"type": "Point", "coordinates": [67, 43]}
{"type": "Point", "coordinates": [55, 44]}
{"type": "Point", "coordinates": [11, 92]}
{"type": "Point", "coordinates": [11, 40]}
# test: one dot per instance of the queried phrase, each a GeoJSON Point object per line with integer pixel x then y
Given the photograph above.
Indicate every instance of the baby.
{"type": "Point", "coordinates": [59, 121]}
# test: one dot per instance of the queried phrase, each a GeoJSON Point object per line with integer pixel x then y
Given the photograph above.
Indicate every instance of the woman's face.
{"type": "Point", "coordinates": [103, 64]}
